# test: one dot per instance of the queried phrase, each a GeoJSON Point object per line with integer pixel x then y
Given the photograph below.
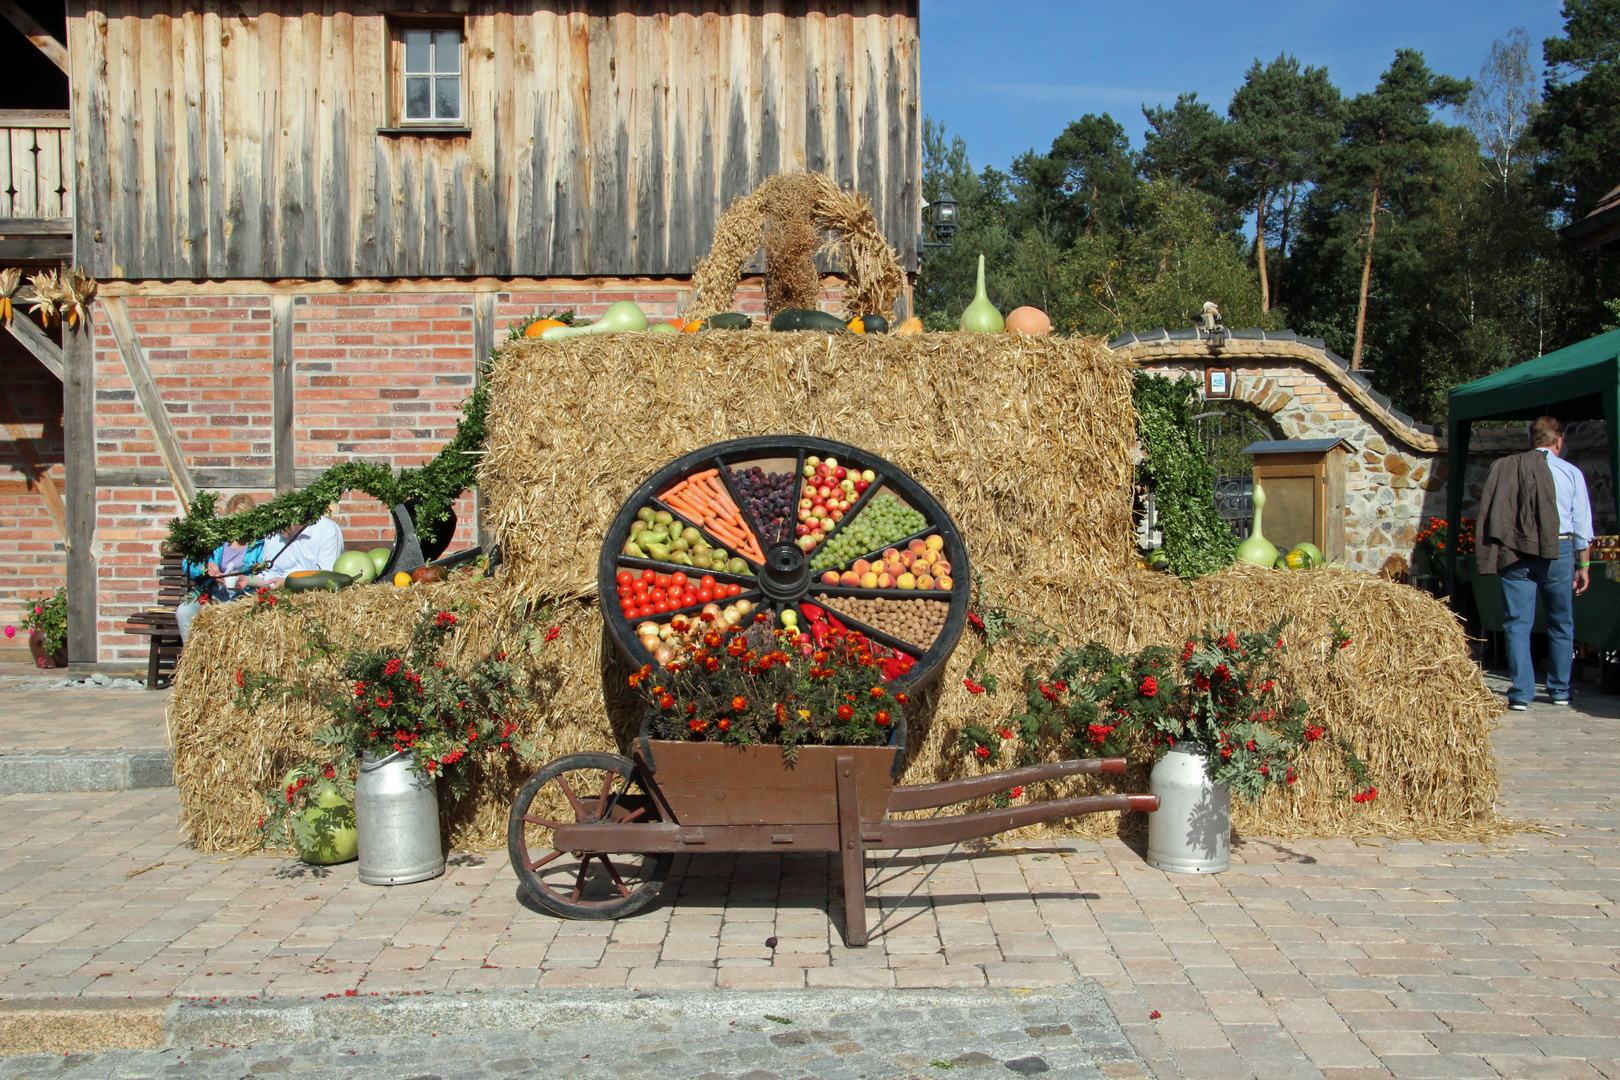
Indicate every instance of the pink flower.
{"type": "Point", "coordinates": [39, 611]}
{"type": "Point", "coordinates": [11, 631]}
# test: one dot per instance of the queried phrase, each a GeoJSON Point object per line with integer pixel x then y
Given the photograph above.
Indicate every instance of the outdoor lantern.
{"type": "Point", "coordinates": [942, 215]}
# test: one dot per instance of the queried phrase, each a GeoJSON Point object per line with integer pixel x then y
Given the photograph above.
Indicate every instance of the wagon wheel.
{"type": "Point", "coordinates": [583, 788]}
{"type": "Point", "coordinates": [743, 497]}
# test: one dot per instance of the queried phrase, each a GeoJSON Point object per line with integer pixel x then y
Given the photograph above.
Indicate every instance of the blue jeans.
{"type": "Point", "coordinates": [1555, 579]}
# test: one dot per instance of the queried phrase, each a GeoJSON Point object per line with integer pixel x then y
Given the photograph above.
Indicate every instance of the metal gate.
{"type": "Point", "coordinates": [1224, 435]}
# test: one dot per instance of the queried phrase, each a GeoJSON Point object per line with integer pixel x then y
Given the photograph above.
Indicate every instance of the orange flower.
{"type": "Point", "coordinates": [739, 703]}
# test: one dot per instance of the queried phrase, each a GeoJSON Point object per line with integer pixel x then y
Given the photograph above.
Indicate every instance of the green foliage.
{"type": "Point", "coordinates": [1178, 470]}
{"type": "Point", "coordinates": [47, 617]}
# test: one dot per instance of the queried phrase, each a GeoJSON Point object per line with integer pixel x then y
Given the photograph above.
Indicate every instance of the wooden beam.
{"type": "Point", "coordinates": [34, 340]}
{"type": "Point", "coordinates": [225, 477]}
{"type": "Point", "coordinates": [146, 392]}
{"type": "Point", "coordinates": [79, 431]}
{"type": "Point", "coordinates": [54, 249]}
{"type": "Point", "coordinates": [35, 118]}
{"type": "Point", "coordinates": [282, 447]}
{"type": "Point", "coordinates": [38, 472]}
{"type": "Point", "coordinates": [483, 344]}
{"type": "Point", "coordinates": [42, 39]}
{"type": "Point", "coordinates": [35, 226]}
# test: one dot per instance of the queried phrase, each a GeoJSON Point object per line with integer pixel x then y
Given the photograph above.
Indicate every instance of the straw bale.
{"type": "Point", "coordinates": [1027, 442]}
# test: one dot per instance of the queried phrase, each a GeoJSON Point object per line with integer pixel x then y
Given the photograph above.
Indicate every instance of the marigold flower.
{"type": "Point", "coordinates": [724, 723]}
{"type": "Point", "coordinates": [739, 703]}
{"type": "Point", "coordinates": [903, 699]}
{"type": "Point", "coordinates": [882, 718]}
{"type": "Point", "coordinates": [877, 691]}
{"type": "Point", "coordinates": [845, 712]}
{"type": "Point", "coordinates": [666, 702]}
{"type": "Point", "coordinates": [699, 726]}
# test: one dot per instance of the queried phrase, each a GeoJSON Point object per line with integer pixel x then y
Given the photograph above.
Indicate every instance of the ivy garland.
{"type": "Point", "coordinates": [1178, 470]}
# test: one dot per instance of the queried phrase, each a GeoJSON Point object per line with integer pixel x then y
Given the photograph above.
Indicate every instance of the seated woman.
{"type": "Point", "coordinates": [226, 575]}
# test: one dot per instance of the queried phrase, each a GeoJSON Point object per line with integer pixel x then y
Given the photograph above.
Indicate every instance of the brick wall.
{"type": "Point", "coordinates": [379, 374]}
{"type": "Point", "coordinates": [33, 554]}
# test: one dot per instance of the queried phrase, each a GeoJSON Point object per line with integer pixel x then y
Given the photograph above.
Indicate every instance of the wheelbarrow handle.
{"type": "Point", "coordinates": [928, 832]}
{"type": "Point", "coordinates": [950, 792]}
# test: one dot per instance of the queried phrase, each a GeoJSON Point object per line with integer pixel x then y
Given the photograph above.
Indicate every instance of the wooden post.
{"type": "Point", "coordinates": [852, 852]}
{"type": "Point", "coordinates": [281, 392]}
{"type": "Point", "coordinates": [483, 343]}
{"type": "Point", "coordinates": [146, 392]}
{"type": "Point", "coordinates": [79, 429]}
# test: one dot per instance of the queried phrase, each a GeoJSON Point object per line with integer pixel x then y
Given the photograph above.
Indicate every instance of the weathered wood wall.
{"type": "Point", "coordinates": [239, 138]}
{"type": "Point", "coordinates": [36, 164]}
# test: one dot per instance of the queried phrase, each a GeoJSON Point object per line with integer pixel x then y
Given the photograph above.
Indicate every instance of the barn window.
{"type": "Point", "coordinates": [427, 72]}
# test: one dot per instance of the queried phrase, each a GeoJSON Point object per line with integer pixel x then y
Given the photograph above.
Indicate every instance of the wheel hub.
{"type": "Point", "coordinates": [786, 575]}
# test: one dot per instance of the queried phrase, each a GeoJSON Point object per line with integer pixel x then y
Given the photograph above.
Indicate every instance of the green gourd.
{"type": "Point", "coordinates": [620, 317]}
{"type": "Point", "coordinates": [981, 316]}
{"type": "Point", "coordinates": [1257, 549]}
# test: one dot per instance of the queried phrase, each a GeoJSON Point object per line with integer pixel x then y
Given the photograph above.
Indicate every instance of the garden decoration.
{"type": "Point", "coordinates": [46, 623]}
{"type": "Point", "coordinates": [776, 722]}
{"type": "Point", "coordinates": [1257, 550]}
{"type": "Point", "coordinates": [981, 316]}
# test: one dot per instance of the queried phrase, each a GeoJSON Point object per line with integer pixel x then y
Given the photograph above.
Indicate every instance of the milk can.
{"type": "Point", "coordinates": [1191, 832]}
{"type": "Point", "coordinates": [396, 812]}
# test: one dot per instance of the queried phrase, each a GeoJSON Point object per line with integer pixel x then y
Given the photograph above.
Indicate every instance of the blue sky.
{"type": "Point", "coordinates": [1009, 76]}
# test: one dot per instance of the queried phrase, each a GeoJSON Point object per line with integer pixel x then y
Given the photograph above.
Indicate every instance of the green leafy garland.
{"type": "Point", "coordinates": [1178, 470]}
{"type": "Point", "coordinates": [433, 488]}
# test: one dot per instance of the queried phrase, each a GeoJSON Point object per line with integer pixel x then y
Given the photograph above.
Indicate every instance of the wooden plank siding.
{"type": "Point", "coordinates": [240, 138]}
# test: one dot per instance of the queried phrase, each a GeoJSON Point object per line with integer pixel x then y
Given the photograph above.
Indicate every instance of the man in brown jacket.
{"type": "Point", "coordinates": [1534, 529]}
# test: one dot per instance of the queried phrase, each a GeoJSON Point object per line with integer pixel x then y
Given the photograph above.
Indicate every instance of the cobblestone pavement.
{"type": "Point", "coordinates": [80, 719]}
{"type": "Point", "coordinates": [1342, 959]}
{"type": "Point", "coordinates": [1068, 1034]}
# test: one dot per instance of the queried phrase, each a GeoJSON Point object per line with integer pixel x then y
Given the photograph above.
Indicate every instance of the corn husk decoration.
{"type": "Point", "coordinates": [77, 290]}
{"type": "Point", "coordinates": [9, 278]}
{"type": "Point", "coordinates": [46, 292]}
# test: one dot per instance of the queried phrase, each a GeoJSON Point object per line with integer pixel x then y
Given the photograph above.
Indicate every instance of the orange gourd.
{"type": "Point", "coordinates": [540, 326]}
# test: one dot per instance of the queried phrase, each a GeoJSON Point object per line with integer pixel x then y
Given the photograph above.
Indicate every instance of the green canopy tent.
{"type": "Point", "coordinates": [1581, 382]}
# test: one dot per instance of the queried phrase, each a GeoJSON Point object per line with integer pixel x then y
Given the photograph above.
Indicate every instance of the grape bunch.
{"type": "Point", "coordinates": [884, 521]}
{"type": "Point", "coordinates": [769, 498]}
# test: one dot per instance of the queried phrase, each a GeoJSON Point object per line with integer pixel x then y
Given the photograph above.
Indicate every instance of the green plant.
{"type": "Point", "coordinates": [47, 618]}
{"type": "Point", "coordinates": [748, 684]}
{"type": "Point", "coordinates": [1218, 692]}
{"type": "Point", "coordinates": [412, 700]}
{"type": "Point", "coordinates": [1177, 469]}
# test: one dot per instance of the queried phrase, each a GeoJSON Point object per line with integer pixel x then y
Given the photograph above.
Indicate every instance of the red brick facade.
{"type": "Point", "coordinates": [379, 373]}
{"type": "Point", "coordinates": [33, 552]}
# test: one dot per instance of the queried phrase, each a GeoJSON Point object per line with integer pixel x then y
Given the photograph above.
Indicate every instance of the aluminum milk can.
{"type": "Point", "coordinates": [1191, 832]}
{"type": "Point", "coordinates": [396, 813]}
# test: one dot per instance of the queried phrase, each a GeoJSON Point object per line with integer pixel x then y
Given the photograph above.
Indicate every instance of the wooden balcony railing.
{"type": "Point", "coordinates": [36, 164]}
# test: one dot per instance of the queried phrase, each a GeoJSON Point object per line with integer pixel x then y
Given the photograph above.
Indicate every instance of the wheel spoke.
{"type": "Point", "coordinates": [637, 812]}
{"type": "Point", "coordinates": [579, 879]}
{"type": "Point", "coordinates": [602, 799]}
{"type": "Point", "coordinates": [579, 810]}
{"type": "Point", "coordinates": [542, 822]}
{"type": "Point", "coordinates": [537, 864]}
{"type": "Point", "coordinates": [614, 874]}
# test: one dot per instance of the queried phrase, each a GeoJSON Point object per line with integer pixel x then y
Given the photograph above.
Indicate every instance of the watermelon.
{"type": "Point", "coordinates": [380, 557]}
{"type": "Point", "coordinates": [355, 564]}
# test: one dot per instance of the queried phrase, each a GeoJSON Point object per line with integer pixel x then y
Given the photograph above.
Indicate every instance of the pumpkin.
{"type": "Point", "coordinates": [540, 326]}
{"type": "Point", "coordinates": [857, 324]}
{"type": "Point", "coordinates": [912, 325]}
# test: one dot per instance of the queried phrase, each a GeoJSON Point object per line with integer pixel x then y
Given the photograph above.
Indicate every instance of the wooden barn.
{"type": "Point", "coordinates": [308, 221]}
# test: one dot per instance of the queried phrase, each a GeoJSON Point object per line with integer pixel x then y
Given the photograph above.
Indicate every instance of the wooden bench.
{"type": "Point", "coordinates": [159, 625]}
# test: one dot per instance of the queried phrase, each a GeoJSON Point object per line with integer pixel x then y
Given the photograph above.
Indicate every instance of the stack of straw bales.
{"type": "Point", "coordinates": [1027, 442]}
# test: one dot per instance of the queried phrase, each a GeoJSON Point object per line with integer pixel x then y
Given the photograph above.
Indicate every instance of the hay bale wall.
{"type": "Point", "coordinates": [1028, 443]}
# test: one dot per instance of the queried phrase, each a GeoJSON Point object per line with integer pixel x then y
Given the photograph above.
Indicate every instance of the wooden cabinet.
{"type": "Point", "coordinates": [1304, 484]}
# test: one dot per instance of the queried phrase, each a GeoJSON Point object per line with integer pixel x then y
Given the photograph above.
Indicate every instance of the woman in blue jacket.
{"type": "Point", "coordinates": [227, 574]}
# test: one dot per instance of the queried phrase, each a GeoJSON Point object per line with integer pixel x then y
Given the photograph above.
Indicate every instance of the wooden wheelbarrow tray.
{"type": "Point", "coordinates": [714, 797]}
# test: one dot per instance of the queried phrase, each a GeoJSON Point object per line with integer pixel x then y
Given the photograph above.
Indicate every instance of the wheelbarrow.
{"type": "Point", "coordinates": [593, 835]}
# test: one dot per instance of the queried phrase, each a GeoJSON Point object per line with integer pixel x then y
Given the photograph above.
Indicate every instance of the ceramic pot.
{"type": "Point", "coordinates": [1191, 832]}
{"type": "Point", "coordinates": [324, 833]}
{"type": "Point", "coordinates": [396, 813]}
{"type": "Point", "coordinates": [36, 649]}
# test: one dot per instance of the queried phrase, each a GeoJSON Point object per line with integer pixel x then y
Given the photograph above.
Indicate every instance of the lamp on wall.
{"type": "Point", "coordinates": [942, 214]}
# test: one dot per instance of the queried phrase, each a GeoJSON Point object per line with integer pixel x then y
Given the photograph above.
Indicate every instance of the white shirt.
{"type": "Point", "coordinates": [1574, 505]}
{"type": "Point", "coordinates": [316, 548]}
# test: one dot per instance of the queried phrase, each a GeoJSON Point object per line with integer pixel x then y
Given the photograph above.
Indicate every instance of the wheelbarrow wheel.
{"type": "Point", "coordinates": [582, 789]}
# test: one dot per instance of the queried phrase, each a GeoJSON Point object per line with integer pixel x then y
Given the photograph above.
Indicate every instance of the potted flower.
{"type": "Point", "coordinates": [746, 684]}
{"type": "Point", "coordinates": [1213, 711]}
{"type": "Point", "coordinates": [407, 721]}
{"type": "Point", "coordinates": [46, 623]}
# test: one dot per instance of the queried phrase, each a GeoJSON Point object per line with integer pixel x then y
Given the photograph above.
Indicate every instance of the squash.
{"type": "Point", "coordinates": [540, 326]}
{"type": "Point", "coordinates": [728, 320]}
{"type": "Point", "coordinates": [912, 325]}
{"type": "Point", "coordinates": [316, 580]}
{"type": "Point", "coordinates": [804, 319]}
{"type": "Point", "coordinates": [856, 326]}
{"type": "Point", "coordinates": [875, 324]}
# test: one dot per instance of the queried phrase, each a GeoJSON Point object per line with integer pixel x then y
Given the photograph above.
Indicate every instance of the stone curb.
{"type": "Point", "coordinates": [34, 772]}
{"type": "Point", "coordinates": [240, 1022]}
{"type": "Point", "coordinates": [80, 1025]}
